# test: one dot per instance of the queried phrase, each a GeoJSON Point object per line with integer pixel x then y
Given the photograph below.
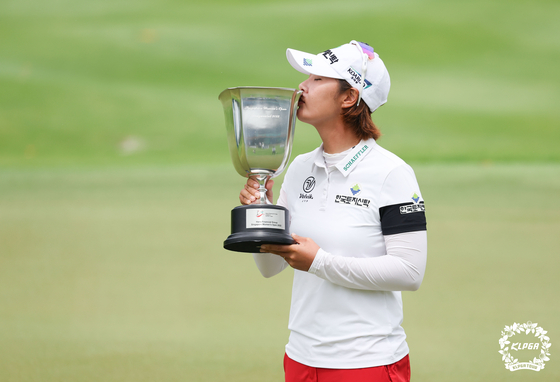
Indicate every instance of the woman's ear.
{"type": "Point", "coordinates": [350, 98]}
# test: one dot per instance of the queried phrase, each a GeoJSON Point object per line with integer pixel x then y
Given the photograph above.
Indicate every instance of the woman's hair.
{"type": "Point", "coordinates": [358, 118]}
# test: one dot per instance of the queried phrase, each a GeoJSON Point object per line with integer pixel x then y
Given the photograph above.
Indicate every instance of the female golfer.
{"type": "Point", "coordinates": [357, 216]}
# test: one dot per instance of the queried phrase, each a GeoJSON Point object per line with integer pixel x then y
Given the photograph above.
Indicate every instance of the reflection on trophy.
{"type": "Point", "coordinates": [260, 125]}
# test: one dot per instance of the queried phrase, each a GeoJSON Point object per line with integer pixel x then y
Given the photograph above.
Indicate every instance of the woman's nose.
{"type": "Point", "coordinates": [303, 85]}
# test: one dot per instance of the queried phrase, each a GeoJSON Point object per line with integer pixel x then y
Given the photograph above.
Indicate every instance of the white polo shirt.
{"type": "Point", "coordinates": [347, 212]}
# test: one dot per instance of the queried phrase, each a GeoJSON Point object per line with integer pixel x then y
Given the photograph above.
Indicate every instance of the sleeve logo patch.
{"type": "Point", "coordinates": [415, 198]}
{"type": "Point", "coordinates": [412, 208]}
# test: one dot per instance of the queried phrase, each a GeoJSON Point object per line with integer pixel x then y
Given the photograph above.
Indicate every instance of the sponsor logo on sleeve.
{"type": "Point", "coordinates": [412, 208]}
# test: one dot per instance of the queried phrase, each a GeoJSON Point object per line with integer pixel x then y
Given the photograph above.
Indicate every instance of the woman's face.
{"type": "Point", "coordinates": [320, 101]}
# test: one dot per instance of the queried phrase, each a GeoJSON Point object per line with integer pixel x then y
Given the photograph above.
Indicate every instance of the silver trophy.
{"type": "Point", "coordinates": [260, 125]}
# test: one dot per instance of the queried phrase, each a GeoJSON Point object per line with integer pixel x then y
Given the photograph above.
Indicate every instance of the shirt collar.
{"type": "Point", "coordinates": [350, 162]}
{"type": "Point", "coordinates": [347, 165]}
{"type": "Point", "coordinates": [318, 158]}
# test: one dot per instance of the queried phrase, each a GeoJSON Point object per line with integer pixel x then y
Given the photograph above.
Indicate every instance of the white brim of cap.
{"type": "Point", "coordinates": [318, 68]}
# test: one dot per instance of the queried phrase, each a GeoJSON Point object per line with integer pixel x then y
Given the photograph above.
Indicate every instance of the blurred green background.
{"type": "Point", "coordinates": [116, 184]}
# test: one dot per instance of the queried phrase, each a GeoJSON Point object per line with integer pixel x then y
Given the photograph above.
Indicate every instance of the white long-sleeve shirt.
{"type": "Point", "coordinates": [401, 269]}
{"type": "Point", "coordinates": [367, 215]}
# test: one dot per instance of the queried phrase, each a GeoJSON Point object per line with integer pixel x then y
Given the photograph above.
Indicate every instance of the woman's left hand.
{"type": "Point", "coordinates": [299, 256]}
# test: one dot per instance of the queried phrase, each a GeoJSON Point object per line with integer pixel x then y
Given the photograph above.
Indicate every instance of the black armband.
{"type": "Point", "coordinates": [404, 217]}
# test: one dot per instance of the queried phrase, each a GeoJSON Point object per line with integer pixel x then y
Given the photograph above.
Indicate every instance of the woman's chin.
{"type": "Point", "coordinates": [301, 115]}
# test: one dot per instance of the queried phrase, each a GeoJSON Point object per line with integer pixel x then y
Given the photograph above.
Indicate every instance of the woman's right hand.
{"type": "Point", "coordinates": [250, 194]}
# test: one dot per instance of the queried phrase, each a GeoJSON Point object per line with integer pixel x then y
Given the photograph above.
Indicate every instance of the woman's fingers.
{"type": "Point", "coordinates": [250, 193]}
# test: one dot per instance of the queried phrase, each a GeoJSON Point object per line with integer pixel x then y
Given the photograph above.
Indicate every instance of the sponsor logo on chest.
{"type": "Point", "coordinates": [305, 197]}
{"type": "Point", "coordinates": [308, 186]}
{"type": "Point", "coordinates": [353, 199]}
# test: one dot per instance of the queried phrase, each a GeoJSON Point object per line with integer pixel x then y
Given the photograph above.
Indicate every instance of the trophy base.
{"type": "Point", "coordinates": [258, 224]}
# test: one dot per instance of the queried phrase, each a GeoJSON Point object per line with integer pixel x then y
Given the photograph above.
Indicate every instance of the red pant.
{"type": "Point", "coordinates": [396, 372]}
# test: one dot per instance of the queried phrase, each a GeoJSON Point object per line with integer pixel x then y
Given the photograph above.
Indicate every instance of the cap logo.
{"type": "Point", "coordinates": [357, 77]}
{"type": "Point", "coordinates": [329, 55]}
{"type": "Point", "coordinates": [307, 62]}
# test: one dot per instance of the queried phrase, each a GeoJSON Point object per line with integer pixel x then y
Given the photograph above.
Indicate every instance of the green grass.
{"type": "Point", "coordinates": [475, 81]}
{"type": "Point", "coordinates": [120, 275]}
{"type": "Point", "coordinates": [116, 183]}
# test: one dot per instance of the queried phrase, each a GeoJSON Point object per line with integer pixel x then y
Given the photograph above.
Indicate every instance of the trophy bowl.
{"type": "Point", "coordinates": [260, 124]}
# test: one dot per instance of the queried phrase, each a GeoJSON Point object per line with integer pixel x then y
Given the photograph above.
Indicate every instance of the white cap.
{"type": "Point", "coordinates": [348, 62]}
